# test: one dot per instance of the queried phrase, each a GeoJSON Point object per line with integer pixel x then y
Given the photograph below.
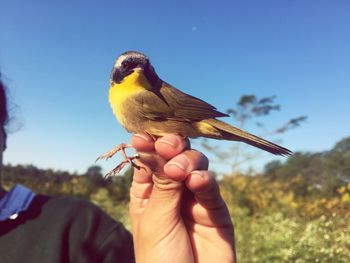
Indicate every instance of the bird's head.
{"type": "Point", "coordinates": [130, 62]}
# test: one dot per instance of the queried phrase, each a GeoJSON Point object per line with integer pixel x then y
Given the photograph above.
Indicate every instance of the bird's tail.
{"type": "Point", "coordinates": [227, 132]}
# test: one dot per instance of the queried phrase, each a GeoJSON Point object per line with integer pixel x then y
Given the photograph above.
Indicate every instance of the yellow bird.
{"type": "Point", "coordinates": [144, 103]}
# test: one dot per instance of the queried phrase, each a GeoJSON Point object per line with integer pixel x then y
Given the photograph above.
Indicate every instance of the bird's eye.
{"type": "Point", "coordinates": [125, 64]}
{"type": "Point", "coordinates": [129, 64]}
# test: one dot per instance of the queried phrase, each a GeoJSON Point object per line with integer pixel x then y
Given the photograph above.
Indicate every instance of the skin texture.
{"type": "Point", "coordinates": [176, 209]}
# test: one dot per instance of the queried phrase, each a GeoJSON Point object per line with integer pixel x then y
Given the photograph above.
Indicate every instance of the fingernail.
{"type": "Point", "coordinates": [172, 141]}
{"type": "Point", "coordinates": [181, 162]}
{"type": "Point", "coordinates": [143, 137]}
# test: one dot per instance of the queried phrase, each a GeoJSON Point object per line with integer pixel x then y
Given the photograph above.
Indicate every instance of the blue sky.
{"type": "Point", "coordinates": [56, 57]}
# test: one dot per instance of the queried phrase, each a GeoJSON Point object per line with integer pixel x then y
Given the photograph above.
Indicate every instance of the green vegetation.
{"type": "Point", "coordinates": [296, 211]}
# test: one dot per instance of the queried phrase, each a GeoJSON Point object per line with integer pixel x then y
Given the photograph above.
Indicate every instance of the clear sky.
{"type": "Point", "coordinates": [56, 57]}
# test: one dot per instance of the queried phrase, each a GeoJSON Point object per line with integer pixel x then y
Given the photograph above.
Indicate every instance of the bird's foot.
{"type": "Point", "coordinates": [127, 159]}
{"type": "Point", "coordinates": [121, 147]}
{"type": "Point", "coordinates": [119, 167]}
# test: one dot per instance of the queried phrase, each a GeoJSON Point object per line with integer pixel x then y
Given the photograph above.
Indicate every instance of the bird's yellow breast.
{"type": "Point", "coordinates": [120, 93]}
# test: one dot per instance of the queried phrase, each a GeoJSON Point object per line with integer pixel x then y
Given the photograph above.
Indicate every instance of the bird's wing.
{"type": "Point", "coordinates": [171, 103]}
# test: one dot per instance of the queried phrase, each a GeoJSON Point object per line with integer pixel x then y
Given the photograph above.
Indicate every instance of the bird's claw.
{"type": "Point", "coordinates": [119, 167]}
{"type": "Point", "coordinates": [127, 159]}
{"type": "Point", "coordinates": [121, 147]}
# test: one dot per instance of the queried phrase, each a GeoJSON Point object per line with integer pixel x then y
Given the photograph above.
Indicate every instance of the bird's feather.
{"type": "Point", "coordinates": [173, 104]}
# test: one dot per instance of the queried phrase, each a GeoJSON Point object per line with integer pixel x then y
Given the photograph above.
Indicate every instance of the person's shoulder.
{"type": "Point", "coordinates": [68, 208]}
{"type": "Point", "coordinates": [82, 226]}
{"type": "Point", "coordinates": [69, 204]}
{"type": "Point", "coordinates": [79, 215]}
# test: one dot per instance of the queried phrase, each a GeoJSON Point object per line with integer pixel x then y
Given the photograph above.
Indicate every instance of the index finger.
{"type": "Point", "coordinates": [142, 142]}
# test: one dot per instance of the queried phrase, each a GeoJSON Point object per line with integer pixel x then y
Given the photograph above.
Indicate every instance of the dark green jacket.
{"type": "Point", "coordinates": [64, 229]}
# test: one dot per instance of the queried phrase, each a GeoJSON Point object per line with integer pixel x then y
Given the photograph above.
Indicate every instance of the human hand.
{"type": "Point", "coordinates": [177, 212]}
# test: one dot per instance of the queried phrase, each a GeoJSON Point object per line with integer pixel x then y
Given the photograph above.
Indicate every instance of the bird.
{"type": "Point", "coordinates": [144, 103]}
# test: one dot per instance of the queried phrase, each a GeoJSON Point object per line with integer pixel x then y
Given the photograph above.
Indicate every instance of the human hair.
{"type": "Point", "coordinates": [3, 106]}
